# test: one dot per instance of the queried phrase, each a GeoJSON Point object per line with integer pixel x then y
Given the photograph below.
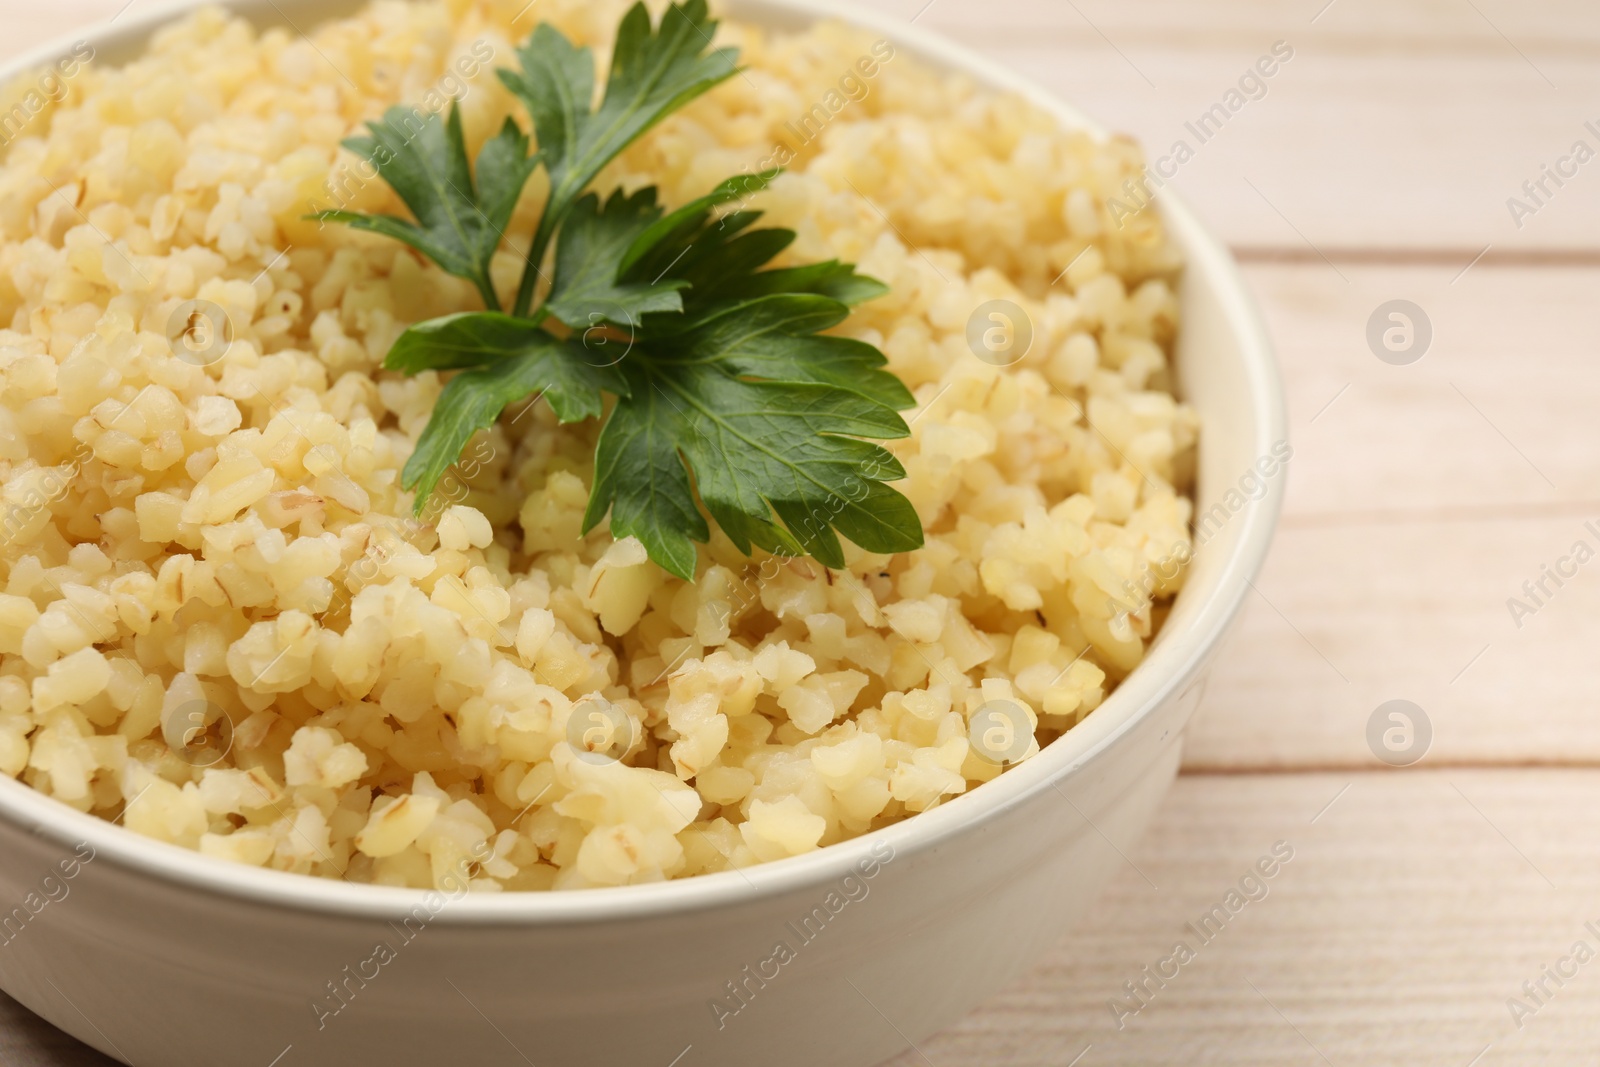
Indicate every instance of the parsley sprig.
{"type": "Point", "coordinates": [729, 396]}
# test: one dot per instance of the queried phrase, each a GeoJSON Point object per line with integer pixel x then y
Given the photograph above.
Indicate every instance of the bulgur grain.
{"type": "Point", "coordinates": [222, 528]}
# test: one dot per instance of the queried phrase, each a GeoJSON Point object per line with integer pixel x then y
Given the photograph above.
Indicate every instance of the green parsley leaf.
{"type": "Point", "coordinates": [653, 73]}
{"type": "Point", "coordinates": [520, 360]}
{"type": "Point", "coordinates": [660, 248]}
{"type": "Point", "coordinates": [621, 262]}
{"type": "Point", "coordinates": [832, 279]}
{"type": "Point", "coordinates": [640, 477]}
{"type": "Point", "coordinates": [772, 338]}
{"type": "Point", "coordinates": [731, 401]}
{"type": "Point", "coordinates": [753, 447]}
{"type": "Point", "coordinates": [777, 462]}
{"type": "Point", "coordinates": [587, 289]}
{"type": "Point", "coordinates": [720, 258]}
{"type": "Point", "coordinates": [465, 339]}
{"type": "Point", "coordinates": [460, 222]}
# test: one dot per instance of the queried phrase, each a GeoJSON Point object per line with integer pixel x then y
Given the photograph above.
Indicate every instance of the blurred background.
{"type": "Point", "coordinates": [1412, 196]}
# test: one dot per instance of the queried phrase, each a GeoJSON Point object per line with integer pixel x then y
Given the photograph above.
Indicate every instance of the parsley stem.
{"type": "Point", "coordinates": [486, 290]}
{"type": "Point", "coordinates": [530, 272]}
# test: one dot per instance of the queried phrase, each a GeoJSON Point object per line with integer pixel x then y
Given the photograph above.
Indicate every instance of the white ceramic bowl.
{"type": "Point", "coordinates": [160, 956]}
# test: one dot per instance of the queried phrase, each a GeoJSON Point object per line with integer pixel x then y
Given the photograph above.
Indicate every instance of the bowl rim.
{"type": "Point", "coordinates": [1171, 663]}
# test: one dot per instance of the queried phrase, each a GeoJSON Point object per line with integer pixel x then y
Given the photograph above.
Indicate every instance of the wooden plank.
{"type": "Point", "coordinates": [1348, 617]}
{"type": "Point", "coordinates": [1413, 908]}
{"type": "Point", "coordinates": [1552, 27]}
{"type": "Point", "coordinates": [1481, 423]}
{"type": "Point", "coordinates": [28, 1041]}
{"type": "Point", "coordinates": [1418, 507]}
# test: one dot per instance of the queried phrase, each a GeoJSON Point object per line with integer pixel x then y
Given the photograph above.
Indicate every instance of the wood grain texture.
{"type": "Point", "coordinates": [1421, 498]}
{"type": "Point", "coordinates": [28, 1041]}
{"type": "Point", "coordinates": [1414, 907]}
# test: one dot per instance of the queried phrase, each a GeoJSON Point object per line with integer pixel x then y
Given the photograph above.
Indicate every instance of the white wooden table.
{"type": "Point", "coordinates": [1422, 497]}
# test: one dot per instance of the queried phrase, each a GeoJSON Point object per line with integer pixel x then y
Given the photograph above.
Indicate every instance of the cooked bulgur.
{"type": "Point", "coordinates": [204, 538]}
